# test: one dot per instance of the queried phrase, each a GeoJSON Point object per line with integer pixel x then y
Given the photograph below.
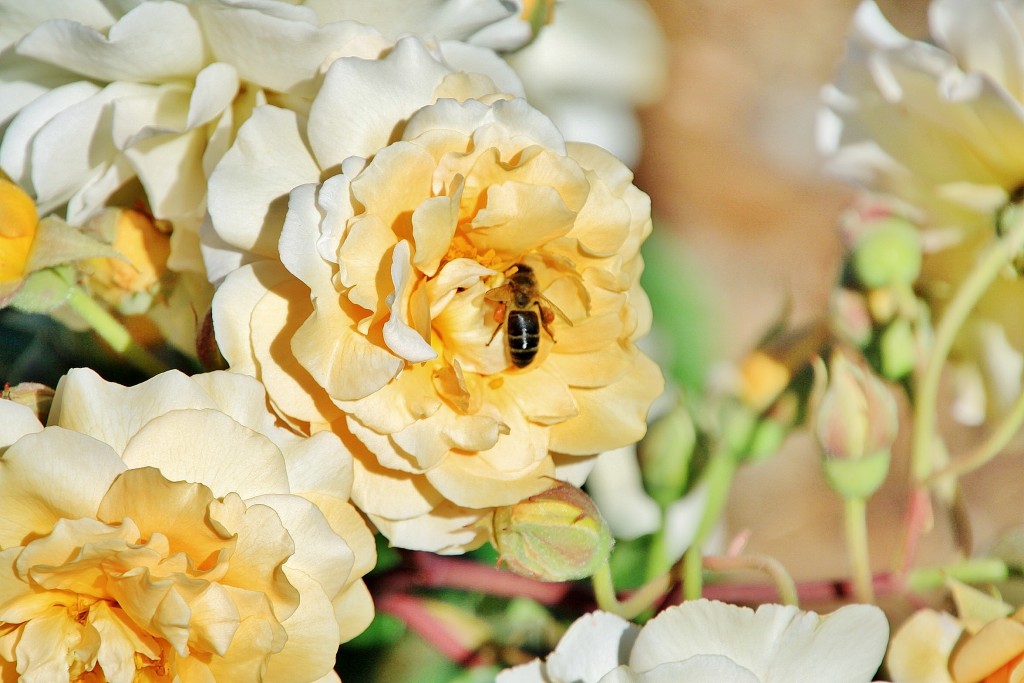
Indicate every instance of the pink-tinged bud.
{"type": "Point", "coordinates": [851, 316]}
{"type": "Point", "coordinates": [856, 425]}
{"type": "Point", "coordinates": [557, 535]}
{"type": "Point", "coordinates": [36, 396]}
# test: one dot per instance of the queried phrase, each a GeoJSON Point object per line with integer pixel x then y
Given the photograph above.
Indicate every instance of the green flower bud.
{"type": "Point", "coordinates": [897, 349]}
{"type": "Point", "coordinates": [856, 424]}
{"type": "Point", "coordinates": [856, 478]}
{"type": "Point", "coordinates": [887, 253]}
{"type": "Point", "coordinates": [665, 456]}
{"type": "Point", "coordinates": [557, 535]}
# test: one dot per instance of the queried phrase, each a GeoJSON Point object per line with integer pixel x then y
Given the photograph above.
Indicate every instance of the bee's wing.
{"type": "Point", "coordinates": [502, 294]}
{"type": "Point", "coordinates": [555, 308]}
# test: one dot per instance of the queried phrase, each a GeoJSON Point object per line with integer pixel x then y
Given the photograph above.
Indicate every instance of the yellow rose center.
{"type": "Point", "coordinates": [18, 221]}
{"type": "Point", "coordinates": [98, 596]}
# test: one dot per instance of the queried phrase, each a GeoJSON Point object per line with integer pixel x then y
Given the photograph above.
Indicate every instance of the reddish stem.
{"type": "Point", "coordinates": [813, 591]}
{"type": "Point", "coordinates": [434, 571]}
{"type": "Point", "coordinates": [417, 617]}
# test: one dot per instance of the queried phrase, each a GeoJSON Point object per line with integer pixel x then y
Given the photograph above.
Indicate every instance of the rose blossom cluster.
{"type": "Point", "coordinates": [383, 219]}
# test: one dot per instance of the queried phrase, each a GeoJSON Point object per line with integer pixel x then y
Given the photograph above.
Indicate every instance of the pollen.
{"type": "Point", "coordinates": [462, 247]}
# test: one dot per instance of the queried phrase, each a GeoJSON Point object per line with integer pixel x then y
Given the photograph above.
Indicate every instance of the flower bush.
{"type": "Point", "coordinates": [131, 553]}
{"type": "Point", "coordinates": [413, 190]}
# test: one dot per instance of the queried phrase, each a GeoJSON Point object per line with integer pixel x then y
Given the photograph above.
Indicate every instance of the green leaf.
{"type": "Point", "coordinates": [680, 297]}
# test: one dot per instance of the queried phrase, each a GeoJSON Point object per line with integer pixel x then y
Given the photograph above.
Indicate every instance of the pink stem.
{"type": "Point", "coordinates": [411, 610]}
{"type": "Point", "coordinates": [434, 571]}
{"type": "Point", "coordinates": [813, 591]}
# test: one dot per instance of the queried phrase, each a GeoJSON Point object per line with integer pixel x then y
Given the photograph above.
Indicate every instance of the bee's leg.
{"type": "Point", "coordinates": [546, 316]}
{"type": "Point", "coordinates": [495, 333]}
{"type": "Point", "coordinates": [499, 317]}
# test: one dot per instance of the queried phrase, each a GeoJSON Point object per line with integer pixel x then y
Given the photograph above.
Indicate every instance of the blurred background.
{"type": "Point", "coordinates": [730, 164]}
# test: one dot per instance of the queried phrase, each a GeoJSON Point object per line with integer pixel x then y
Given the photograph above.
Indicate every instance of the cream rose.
{"type": "Point", "coordinates": [368, 304]}
{"type": "Point", "coordinates": [173, 531]}
{"type": "Point", "coordinates": [702, 640]}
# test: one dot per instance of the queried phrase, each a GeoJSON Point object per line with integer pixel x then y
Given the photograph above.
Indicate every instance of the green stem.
{"type": "Point", "coordinates": [784, 583]}
{"type": "Point", "coordinates": [988, 268]}
{"type": "Point", "coordinates": [982, 570]}
{"type": "Point", "coordinates": [989, 448]}
{"type": "Point", "coordinates": [657, 554]}
{"type": "Point", "coordinates": [113, 332]}
{"type": "Point", "coordinates": [855, 514]}
{"type": "Point", "coordinates": [641, 599]}
{"type": "Point", "coordinates": [718, 479]}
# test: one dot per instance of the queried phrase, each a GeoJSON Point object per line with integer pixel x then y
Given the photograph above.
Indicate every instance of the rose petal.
{"type": "Point", "coordinates": [360, 101]}
{"type": "Point", "coordinates": [219, 453]}
{"type": "Point", "coordinates": [130, 50]}
{"type": "Point", "coordinates": [610, 416]}
{"type": "Point", "coordinates": [51, 475]}
{"type": "Point", "coordinates": [249, 188]}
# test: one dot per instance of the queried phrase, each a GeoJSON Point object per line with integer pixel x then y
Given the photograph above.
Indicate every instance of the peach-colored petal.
{"type": "Point", "coordinates": [405, 341]}
{"type": "Point", "coordinates": [474, 482]}
{"type": "Point", "coordinates": [218, 452]}
{"type": "Point", "coordinates": [919, 650]}
{"type": "Point", "coordinates": [313, 636]}
{"type": "Point", "coordinates": [50, 475]}
{"type": "Point", "coordinates": [259, 555]}
{"type": "Point", "coordinates": [289, 381]}
{"type": "Point", "coordinates": [594, 369]}
{"type": "Point", "coordinates": [368, 242]}
{"type": "Point", "coordinates": [433, 226]}
{"type": "Point", "coordinates": [343, 362]}
{"type": "Point", "coordinates": [398, 494]}
{"type": "Point", "coordinates": [519, 216]}
{"type": "Point", "coordinates": [994, 645]}
{"type": "Point", "coordinates": [610, 416]}
{"type": "Point", "coordinates": [397, 404]}
{"type": "Point", "coordinates": [351, 526]}
{"type": "Point", "coordinates": [120, 639]}
{"type": "Point", "coordinates": [542, 396]}
{"type": "Point", "coordinates": [16, 421]}
{"type": "Point", "coordinates": [319, 463]}
{"type": "Point", "coordinates": [353, 610]}
{"type": "Point", "coordinates": [44, 646]}
{"type": "Point", "coordinates": [515, 124]}
{"type": "Point", "coordinates": [112, 413]}
{"type": "Point", "coordinates": [232, 307]}
{"type": "Point", "coordinates": [448, 529]}
{"type": "Point", "coordinates": [326, 559]}
{"type": "Point", "coordinates": [176, 510]}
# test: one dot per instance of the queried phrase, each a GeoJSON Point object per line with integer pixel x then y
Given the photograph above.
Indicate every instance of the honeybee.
{"type": "Point", "coordinates": [516, 299]}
